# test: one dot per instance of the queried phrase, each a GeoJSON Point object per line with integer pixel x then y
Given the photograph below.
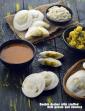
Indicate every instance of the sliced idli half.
{"type": "Point", "coordinates": [36, 15]}
{"type": "Point", "coordinates": [22, 20]}
{"type": "Point", "coordinates": [33, 85]}
{"type": "Point", "coordinates": [51, 79]}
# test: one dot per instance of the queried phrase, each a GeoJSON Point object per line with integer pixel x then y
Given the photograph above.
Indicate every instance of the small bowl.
{"type": "Point", "coordinates": [66, 34]}
{"type": "Point", "coordinates": [76, 67]}
{"type": "Point", "coordinates": [17, 65]}
{"type": "Point", "coordinates": [60, 22]}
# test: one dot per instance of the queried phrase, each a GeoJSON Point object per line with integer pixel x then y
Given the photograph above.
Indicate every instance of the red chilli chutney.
{"type": "Point", "coordinates": [16, 53]}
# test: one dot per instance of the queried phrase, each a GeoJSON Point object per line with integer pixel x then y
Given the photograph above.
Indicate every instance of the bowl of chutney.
{"type": "Point", "coordinates": [17, 53]}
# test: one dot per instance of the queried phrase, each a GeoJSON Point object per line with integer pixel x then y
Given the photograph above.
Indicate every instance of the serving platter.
{"type": "Point", "coordinates": [21, 35]}
{"type": "Point", "coordinates": [76, 67]}
{"type": "Point", "coordinates": [54, 30]}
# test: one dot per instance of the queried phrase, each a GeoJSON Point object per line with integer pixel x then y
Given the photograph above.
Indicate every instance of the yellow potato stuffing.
{"type": "Point", "coordinates": [76, 38]}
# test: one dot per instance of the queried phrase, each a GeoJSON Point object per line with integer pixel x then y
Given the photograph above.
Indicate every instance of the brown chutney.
{"type": "Point", "coordinates": [16, 53]}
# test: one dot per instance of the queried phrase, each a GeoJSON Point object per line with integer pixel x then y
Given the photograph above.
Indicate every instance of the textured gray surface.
{"type": "Point", "coordinates": [11, 97]}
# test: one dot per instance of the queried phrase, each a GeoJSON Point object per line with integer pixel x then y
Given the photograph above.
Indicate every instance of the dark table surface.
{"type": "Point", "coordinates": [11, 97]}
